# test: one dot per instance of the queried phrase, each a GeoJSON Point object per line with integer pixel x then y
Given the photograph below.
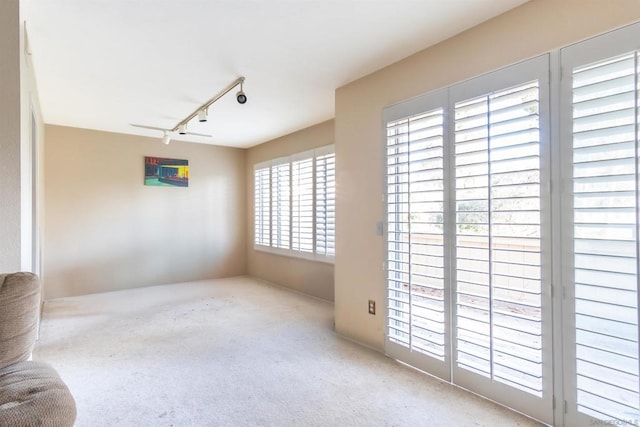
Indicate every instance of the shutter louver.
{"type": "Point", "coordinates": [605, 237]}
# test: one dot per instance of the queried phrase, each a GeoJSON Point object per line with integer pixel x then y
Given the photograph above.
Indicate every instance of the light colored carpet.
{"type": "Point", "coordinates": [236, 352]}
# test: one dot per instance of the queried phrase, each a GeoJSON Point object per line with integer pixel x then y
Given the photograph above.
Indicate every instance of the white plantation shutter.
{"type": "Point", "coordinates": [262, 214]}
{"type": "Point", "coordinates": [302, 205]}
{"type": "Point", "coordinates": [325, 202]}
{"type": "Point", "coordinates": [294, 205]}
{"type": "Point", "coordinates": [415, 233]}
{"type": "Point", "coordinates": [498, 239]}
{"type": "Point", "coordinates": [605, 237]}
{"type": "Point", "coordinates": [518, 188]}
{"type": "Point", "coordinates": [468, 236]}
{"type": "Point", "coordinates": [281, 205]}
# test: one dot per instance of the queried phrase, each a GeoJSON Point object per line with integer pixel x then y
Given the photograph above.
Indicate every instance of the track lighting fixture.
{"type": "Point", "coordinates": [240, 96]}
{"type": "Point", "coordinates": [202, 112]}
{"type": "Point", "coordinates": [166, 138]}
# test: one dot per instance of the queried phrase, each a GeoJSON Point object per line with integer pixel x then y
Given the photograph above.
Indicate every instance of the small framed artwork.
{"type": "Point", "coordinates": [161, 172]}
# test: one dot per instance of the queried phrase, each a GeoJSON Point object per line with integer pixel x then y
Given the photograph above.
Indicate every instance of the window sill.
{"type": "Point", "coordinates": [294, 254]}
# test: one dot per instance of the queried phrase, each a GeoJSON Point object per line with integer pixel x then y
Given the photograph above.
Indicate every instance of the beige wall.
{"type": "Point", "coordinates": [534, 28]}
{"type": "Point", "coordinates": [105, 230]}
{"type": "Point", "coordinates": [10, 136]}
{"type": "Point", "coordinates": [314, 278]}
{"type": "Point", "coordinates": [18, 98]}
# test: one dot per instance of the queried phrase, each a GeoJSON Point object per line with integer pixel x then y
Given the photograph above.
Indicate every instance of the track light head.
{"type": "Point", "coordinates": [203, 115]}
{"type": "Point", "coordinates": [166, 138]}
{"type": "Point", "coordinates": [182, 129]}
{"type": "Point", "coordinates": [240, 96]}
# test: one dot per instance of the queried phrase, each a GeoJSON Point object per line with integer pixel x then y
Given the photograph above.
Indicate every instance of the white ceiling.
{"type": "Point", "coordinates": [103, 64]}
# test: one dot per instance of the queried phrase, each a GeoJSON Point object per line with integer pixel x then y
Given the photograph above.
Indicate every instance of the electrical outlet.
{"type": "Point", "coordinates": [372, 307]}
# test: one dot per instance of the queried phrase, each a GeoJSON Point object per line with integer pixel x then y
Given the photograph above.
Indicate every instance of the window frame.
{"type": "Point", "coordinates": [293, 193]}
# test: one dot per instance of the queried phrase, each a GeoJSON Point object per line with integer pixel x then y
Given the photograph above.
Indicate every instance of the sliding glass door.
{"type": "Point", "coordinates": [469, 234]}
{"type": "Point", "coordinates": [600, 168]}
{"type": "Point", "coordinates": [417, 301]}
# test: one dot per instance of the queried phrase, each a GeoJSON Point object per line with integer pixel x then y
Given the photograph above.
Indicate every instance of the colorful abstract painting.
{"type": "Point", "coordinates": [163, 172]}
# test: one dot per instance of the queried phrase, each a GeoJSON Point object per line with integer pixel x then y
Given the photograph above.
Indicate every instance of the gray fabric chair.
{"type": "Point", "coordinates": [31, 393]}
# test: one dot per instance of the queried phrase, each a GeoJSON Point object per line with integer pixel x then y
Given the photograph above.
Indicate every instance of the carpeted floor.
{"type": "Point", "coordinates": [236, 352]}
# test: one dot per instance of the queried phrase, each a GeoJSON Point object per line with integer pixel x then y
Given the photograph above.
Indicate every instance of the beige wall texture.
{"type": "Point", "coordinates": [105, 230]}
{"type": "Point", "coordinates": [314, 278]}
{"type": "Point", "coordinates": [534, 28]}
{"type": "Point", "coordinates": [18, 99]}
{"type": "Point", "coordinates": [10, 48]}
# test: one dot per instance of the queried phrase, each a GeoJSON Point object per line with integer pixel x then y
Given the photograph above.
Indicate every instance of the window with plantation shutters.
{"type": "Point", "coordinates": [537, 205]}
{"type": "Point", "coordinates": [325, 203]}
{"type": "Point", "coordinates": [281, 206]}
{"type": "Point", "coordinates": [415, 233]}
{"type": "Point", "coordinates": [262, 213]}
{"type": "Point", "coordinates": [497, 211]}
{"type": "Point", "coordinates": [302, 205]}
{"type": "Point", "coordinates": [604, 101]}
{"type": "Point", "coordinates": [467, 253]}
{"type": "Point", "coordinates": [294, 205]}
